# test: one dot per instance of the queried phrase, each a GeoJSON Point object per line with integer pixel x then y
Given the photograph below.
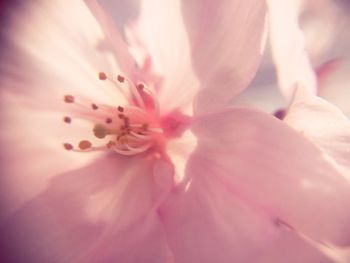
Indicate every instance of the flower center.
{"type": "Point", "coordinates": [128, 129]}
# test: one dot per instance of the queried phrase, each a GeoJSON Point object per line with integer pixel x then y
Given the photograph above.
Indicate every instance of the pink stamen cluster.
{"type": "Point", "coordinates": [127, 130]}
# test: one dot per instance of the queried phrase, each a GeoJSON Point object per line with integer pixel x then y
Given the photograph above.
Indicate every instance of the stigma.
{"type": "Point", "coordinates": [128, 129]}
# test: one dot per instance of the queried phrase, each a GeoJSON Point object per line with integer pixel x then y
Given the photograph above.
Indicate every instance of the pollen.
{"type": "Point", "coordinates": [102, 76]}
{"type": "Point", "coordinates": [68, 146]}
{"type": "Point", "coordinates": [67, 119]}
{"type": "Point", "coordinates": [140, 86]}
{"type": "Point", "coordinates": [120, 79]}
{"type": "Point", "coordinates": [83, 145]}
{"type": "Point", "coordinates": [127, 129]}
{"type": "Point", "coordinates": [100, 131]}
{"type": "Point", "coordinates": [68, 99]}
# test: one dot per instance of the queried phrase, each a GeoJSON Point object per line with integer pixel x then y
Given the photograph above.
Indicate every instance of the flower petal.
{"type": "Point", "coordinates": [51, 48]}
{"type": "Point", "coordinates": [32, 152]}
{"type": "Point", "coordinates": [159, 37]}
{"type": "Point", "coordinates": [102, 212]}
{"type": "Point", "coordinates": [288, 50]}
{"type": "Point", "coordinates": [204, 222]}
{"type": "Point", "coordinates": [334, 86]}
{"type": "Point", "coordinates": [291, 248]}
{"type": "Point", "coordinates": [325, 125]}
{"type": "Point", "coordinates": [61, 51]}
{"type": "Point", "coordinates": [114, 37]}
{"type": "Point", "coordinates": [227, 39]}
{"type": "Point", "coordinates": [274, 169]}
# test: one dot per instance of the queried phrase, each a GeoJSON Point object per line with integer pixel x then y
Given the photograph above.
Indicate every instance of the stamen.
{"type": "Point", "coordinates": [137, 95]}
{"type": "Point", "coordinates": [102, 76]}
{"type": "Point", "coordinates": [137, 110]}
{"type": "Point", "coordinates": [83, 145]}
{"type": "Point", "coordinates": [141, 136]}
{"type": "Point", "coordinates": [140, 86]}
{"type": "Point", "coordinates": [68, 146]}
{"type": "Point", "coordinates": [123, 152]}
{"type": "Point", "coordinates": [126, 122]}
{"type": "Point", "coordinates": [68, 99]}
{"type": "Point", "coordinates": [154, 99]}
{"type": "Point", "coordinates": [139, 149]}
{"type": "Point", "coordinates": [135, 128]}
{"type": "Point", "coordinates": [100, 131]}
{"type": "Point", "coordinates": [120, 79]}
{"type": "Point", "coordinates": [67, 119]}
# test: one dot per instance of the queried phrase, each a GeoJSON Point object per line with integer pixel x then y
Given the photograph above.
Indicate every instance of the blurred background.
{"type": "Point", "coordinates": [326, 28]}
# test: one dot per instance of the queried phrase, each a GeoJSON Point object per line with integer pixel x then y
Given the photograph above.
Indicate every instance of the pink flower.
{"type": "Point", "coordinates": [167, 172]}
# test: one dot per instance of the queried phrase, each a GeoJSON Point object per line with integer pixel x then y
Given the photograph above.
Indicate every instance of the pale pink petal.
{"type": "Point", "coordinates": [159, 41]}
{"type": "Point", "coordinates": [51, 48]}
{"type": "Point", "coordinates": [227, 39]}
{"type": "Point", "coordinates": [334, 87]}
{"type": "Point", "coordinates": [274, 169]}
{"type": "Point", "coordinates": [113, 37]}
{"type": "Point", "coordinates": [288, 47]}
{"type": "Point", "coordinates": [338, 254]}
{"type": "Point", "coordinates": [322, 22]}
{"type": "Point", "coordinates": [205, 222]}
{"type": "Point", "coordinates": [32, 150]}
{"type": "Point", "coordinates": [291, 248]}
{"type": "Point", "coordinates": [325, 125]}
{"type": "Point", "coordinates": [219, 42]}
{"type": "Point", "coordinates": [163, 173]}
{"type": "Point", "coordinates": [61, 51]}
{"type": "Point", "coordinates": [100, 213]}
{"type": "Point", "coordinates": [179, 151]}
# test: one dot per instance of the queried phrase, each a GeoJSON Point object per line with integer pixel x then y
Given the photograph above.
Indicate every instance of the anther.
{"type": "Point", "coordinates": [108, 120]}
{"type": "Point", "coordinates": [68, 99]}
{"type": "Point", "coordinates": [100, 131]}
{"type": "Point", "coordinates": [94, 106]}
{"type": "Point", "coordinates": [68, 146]}
{"type": "Point", "coordinates": [120, 108]}
{"type": "Point", "coordinates": [83, 145]}
{"type": "Point", "coordinates": [120, 79]}
{"type": "Point", "coordinates": [140, 86]}
{"type": "Point", "coordinates": [102, 76]}
{"type": "Point", "coordinates": [67, 119]}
